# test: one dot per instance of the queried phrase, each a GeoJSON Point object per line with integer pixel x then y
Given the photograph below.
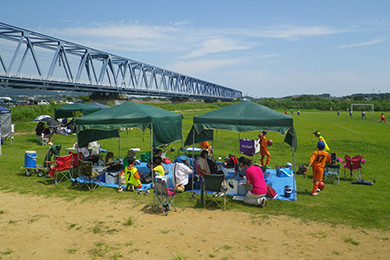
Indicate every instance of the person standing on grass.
{"type": "Point", "coordinates": [321, 138]}
{"type": "Point", "coordinates": [263, 149]}
{"type": "Point", "coordinates": [299, 112]}
{"type": "Point", "coordinates": [255, 181]}
{"type": "Point", "coordinates": [363, 115]}
{"type": "Point", "coordinates": [318, 160]}
{"type": "Point", "coordinates": [350, 113]}
{"type": "Point", "coordinates": [338, 112]}
{"type": "Point", "coordinates": [383, 119]}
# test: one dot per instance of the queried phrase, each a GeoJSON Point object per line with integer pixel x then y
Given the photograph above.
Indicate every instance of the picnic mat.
{"type": "Point", "coordinates": [271, 178]}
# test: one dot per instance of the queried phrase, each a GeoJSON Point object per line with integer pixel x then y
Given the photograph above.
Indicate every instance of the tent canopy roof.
{"type": "Point", "coordinates": [68, 110]}
{"type": "Point", "coordinates": [99, 105]}
{"type": "Point", "coordinates": [4, 110]}
{"type": "Point", "coordinates": [167, 126]}
{"type": "Point", "coordinates": [247, 116]}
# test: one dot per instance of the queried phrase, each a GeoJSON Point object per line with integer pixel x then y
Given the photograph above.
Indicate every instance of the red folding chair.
{"type": "Point", "coordinates": [62, 169]}
{"type": "Point", "coordinates": [76, 157]}
{"type": "Point", "coordinates": [353, 164]}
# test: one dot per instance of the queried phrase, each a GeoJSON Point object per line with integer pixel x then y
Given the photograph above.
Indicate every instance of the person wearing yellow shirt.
{"type": "Point", "coordinates": [158, 169]}
{"type": "Point", "coordinates": [321, 138]}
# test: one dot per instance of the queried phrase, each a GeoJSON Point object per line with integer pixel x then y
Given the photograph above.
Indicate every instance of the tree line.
{"type": "Point", "coordinates": [320, 103]}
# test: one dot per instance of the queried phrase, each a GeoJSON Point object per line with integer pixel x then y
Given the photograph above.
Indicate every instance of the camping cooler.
{"type": "Point", "coordinates": [30, 159]}
{"type": "Point", "coordinates": [112, 177]}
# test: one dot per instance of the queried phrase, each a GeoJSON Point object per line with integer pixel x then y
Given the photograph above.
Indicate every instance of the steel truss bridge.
{"type": "Point", "coordinates": [33, 60]}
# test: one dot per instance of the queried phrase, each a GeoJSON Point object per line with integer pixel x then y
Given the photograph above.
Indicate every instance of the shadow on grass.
{"type": "Point", "coordinates": [46, 181]}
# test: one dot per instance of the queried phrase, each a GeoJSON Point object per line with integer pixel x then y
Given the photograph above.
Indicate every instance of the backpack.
{"type": "Point", "coordinates": [146, 179]}
{"type": "Point", "coordinates": [301, 169]}
{"type": "Point", "coordinates": [232, 162]}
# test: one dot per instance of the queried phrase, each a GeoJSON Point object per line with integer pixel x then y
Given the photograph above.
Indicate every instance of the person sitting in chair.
{"type": "Point", "coordinates": [255, 180]}
{"type": "Point", "coordinates": [158, 168]}
{"type": "Point", "coordinates": [206, 164]}
{"type": "Point", "coordinates": [109, 158]}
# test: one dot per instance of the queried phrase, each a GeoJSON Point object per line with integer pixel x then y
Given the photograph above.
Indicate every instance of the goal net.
{"type": "Point", "coordinates": [364, 107]}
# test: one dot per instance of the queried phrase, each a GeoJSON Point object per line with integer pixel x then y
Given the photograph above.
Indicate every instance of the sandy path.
{"type": "Point", "coordinates": [33, 227]}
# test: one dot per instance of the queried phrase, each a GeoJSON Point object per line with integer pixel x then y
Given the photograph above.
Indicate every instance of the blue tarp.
{"type": "Point", "coordinates": [142, 169]}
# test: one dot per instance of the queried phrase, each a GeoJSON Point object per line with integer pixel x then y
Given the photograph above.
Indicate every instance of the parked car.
{"type": "Point", "coordinates": [43, 102]}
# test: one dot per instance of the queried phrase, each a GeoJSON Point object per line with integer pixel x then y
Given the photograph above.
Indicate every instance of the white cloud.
{"type": "Point", "coordinates": [214, 46]}
{"type": "Point", "coordinates": [180, 37]}
{"type": "Point", "coordinates": [199, 67]}
{"type": "Point", "coordinates": [290, 32]}
{"type": "Point", "coordinates": [359, 44]}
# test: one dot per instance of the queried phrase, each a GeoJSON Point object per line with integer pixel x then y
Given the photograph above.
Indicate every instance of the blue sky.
{"type": "Point", "coordinates": [262, 48]}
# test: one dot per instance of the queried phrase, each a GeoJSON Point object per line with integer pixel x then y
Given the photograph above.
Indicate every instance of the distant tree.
{"type": "Point", "coordinates": [84, 98]}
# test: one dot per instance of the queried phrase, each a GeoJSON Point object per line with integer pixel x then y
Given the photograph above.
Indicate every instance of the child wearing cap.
{"type": "Point", "coordinates": [318, 160]}
{"type": "Point", "coordinates": [321, 138]}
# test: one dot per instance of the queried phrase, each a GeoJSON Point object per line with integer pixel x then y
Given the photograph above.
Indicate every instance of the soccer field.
{"type": "Point", "coordinates": [355, 205]}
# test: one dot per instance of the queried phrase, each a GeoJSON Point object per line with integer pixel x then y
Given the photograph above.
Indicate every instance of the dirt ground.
{"type": "Point", "coordinates": [33, 227]}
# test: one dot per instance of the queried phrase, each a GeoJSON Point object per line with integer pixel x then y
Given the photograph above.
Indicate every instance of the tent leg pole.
{"type": "Point", "coordinates": [119, 145]}
{"type": "Point", "coordinates": [193, 161]}
{"type": "Point", "coordinates": [294, 184]}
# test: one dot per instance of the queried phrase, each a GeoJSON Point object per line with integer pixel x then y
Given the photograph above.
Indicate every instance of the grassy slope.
{"type": "Point", "coordinates": [355, 205]}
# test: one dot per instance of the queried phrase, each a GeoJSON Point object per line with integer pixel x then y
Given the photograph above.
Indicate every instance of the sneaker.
{"type": "Point", "coordinates": [263, 203]}
{"type": "Point", "coordinates": [50, 143]}
{"type": "Point", "coordinates": [130, 187]}
{"type": "Point", "coordinates": [314, 194]}
{"type": "Point", "coordinates": [147, 192]}
{"type": "Point", "coordinates": [120, 189]}
{"type": "Point", "coordinates": [215, 194]}
{"type": "Point", "coordinates": [221, 194]}
{"type": "Point", "coordinates": [194, 194]}
{"type": "Point", "coordinates": [318, 190]}
{"type": "Point", "coordinates": [139, 192]}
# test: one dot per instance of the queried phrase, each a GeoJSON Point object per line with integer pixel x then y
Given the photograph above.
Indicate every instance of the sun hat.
{"type": "Point", "coordinates": [130, 153]}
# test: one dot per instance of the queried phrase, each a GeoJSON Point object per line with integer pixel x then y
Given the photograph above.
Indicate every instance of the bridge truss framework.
{"type": "Point", "coordinates": [39, 61]}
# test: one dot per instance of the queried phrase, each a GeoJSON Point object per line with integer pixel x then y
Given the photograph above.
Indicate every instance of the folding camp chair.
{"type": "Point", "coordinates": [76, 157]}
{"type": "Point", "coordinates": [332, 170]}
{"type": "Point", "coordinates": [213, 184]}
{"type": "Point", "coordinates": [353, 164]}
{"type": "Point", "coordinates": [164, 195]}
{"type": "Point", "coordinates": [88, 175]}
{"type": "Point", "coordinates": [62, 169]}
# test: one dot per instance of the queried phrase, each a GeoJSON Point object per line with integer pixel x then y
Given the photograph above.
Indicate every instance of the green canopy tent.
{"type": "Point", "coordinates": [68, 110]}
{"type": "Point", "coordinates": [165, 126]}
{"type": "Point", "coordinates": [244, 117]}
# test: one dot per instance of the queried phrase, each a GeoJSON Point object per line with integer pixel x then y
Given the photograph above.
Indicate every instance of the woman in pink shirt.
{"type": "Point", "coordinates": [255, 180]}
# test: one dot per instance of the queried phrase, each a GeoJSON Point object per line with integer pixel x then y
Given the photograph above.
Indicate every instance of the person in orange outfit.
{"type": "Point", "coordinates": [318, 160]}
{"type": "Point", "coordinates": [263, 149]}
{"type": "Point", "coordinates": [206, 146]}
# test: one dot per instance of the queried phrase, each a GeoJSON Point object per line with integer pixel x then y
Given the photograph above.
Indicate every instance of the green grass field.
{"type": "Point", "coordinates": [354, 205]}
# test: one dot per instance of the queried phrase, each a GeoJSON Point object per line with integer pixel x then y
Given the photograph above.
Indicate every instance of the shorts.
{"type": "Point", "coordinates": [318, 173]}
{"type": "Point", "coordinates": [264, 152]}
{"type": "Point", "coordinates": [252, 199]}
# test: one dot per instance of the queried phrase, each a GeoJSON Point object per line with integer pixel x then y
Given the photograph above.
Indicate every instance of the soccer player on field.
{"type": "Point", "coordinates": [263, 149]}
{"type": "Point", "coordinates": [318, 160]}
{"type": "Point", "coordinates": [383, 119]}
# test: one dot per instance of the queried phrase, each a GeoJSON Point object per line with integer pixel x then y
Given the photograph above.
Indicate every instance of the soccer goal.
{"type": "Point", "coordinates": [365, 107]}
